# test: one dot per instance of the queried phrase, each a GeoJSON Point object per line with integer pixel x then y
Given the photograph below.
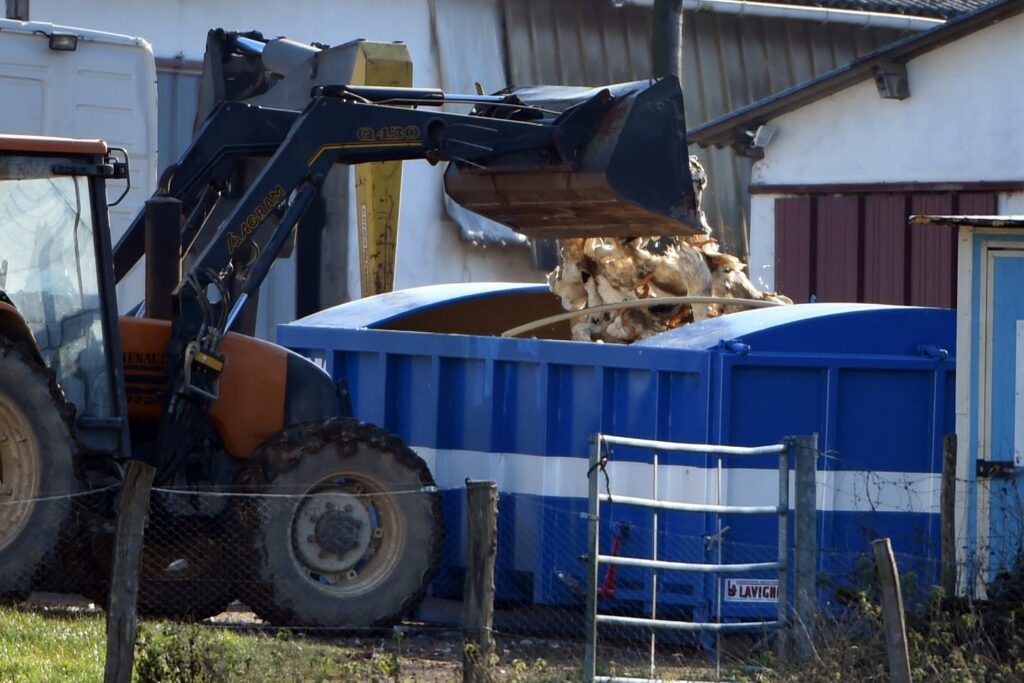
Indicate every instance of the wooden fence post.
{"type": "Point", "coordinates": [124, 580]}
{"type": "Point", "coordinates": [892, 612]}
{"type": "Point", "coordinates": [805, 543]}
{"type": "Point", "coordinates": [478, 605]}
{"type": "Point", "coordinates": [947, 515]}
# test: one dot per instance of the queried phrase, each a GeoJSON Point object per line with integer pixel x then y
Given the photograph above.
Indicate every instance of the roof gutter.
{"type": "Point", "coordinates": [823, 15]}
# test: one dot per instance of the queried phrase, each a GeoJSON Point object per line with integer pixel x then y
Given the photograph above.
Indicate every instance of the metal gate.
{"type": "Point", "coordinates": [600, 455]}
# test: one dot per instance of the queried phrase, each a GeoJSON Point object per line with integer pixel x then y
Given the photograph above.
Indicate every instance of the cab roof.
{"type": "Point", "coordinates": [50, 145]}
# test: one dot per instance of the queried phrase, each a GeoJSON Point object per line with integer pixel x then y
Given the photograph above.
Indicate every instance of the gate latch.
{"type": "Point", "coordinates": [995, 469]}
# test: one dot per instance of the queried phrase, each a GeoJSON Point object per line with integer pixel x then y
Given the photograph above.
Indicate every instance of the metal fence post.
{"type": "Point", "coordinates": [805, 542]}
{"type": "Point", "coordinates": [947, 515]}
{"type": "Point", "coordinates": [782, 643]}
{"type": "Point", "coordinates": [593, 508]}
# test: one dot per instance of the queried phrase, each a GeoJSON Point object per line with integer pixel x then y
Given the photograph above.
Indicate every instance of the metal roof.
{"type": "Point", "coordinates": [44, 28]}
{"type": "Point", "coordinates": [972, 221]}
{"type": "Point", "coordinates": [943, 9]}
{"type": "Point", "coordinates": [723, 130]}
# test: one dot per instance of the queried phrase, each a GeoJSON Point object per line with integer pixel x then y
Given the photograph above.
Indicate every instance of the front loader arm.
{"type": "Point", "coordinates": [338, 130]}
{"type": "Point", "coordinates": [338, 126]}
{"type": "Point", "coordinates": [231, 133]}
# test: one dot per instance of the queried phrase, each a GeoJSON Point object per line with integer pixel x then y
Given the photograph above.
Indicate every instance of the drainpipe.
{"type": "Point", "coordinates": [822, 15]}
{"type": "Point", "coordinates": [667, 38]}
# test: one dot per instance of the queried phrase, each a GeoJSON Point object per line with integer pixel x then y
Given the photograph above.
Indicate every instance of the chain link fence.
{"type": "Point", "coordinates": [309, 568]}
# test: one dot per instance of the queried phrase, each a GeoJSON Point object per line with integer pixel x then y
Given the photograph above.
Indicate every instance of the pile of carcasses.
{"type": "Point", "coordinates": [609, 270]}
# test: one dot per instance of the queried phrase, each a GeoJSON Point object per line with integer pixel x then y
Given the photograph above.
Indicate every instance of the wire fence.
{"type": "Point", "coordinates": [350, 571]}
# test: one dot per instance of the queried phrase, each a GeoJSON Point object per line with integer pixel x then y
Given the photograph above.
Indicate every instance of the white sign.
{"type": "Point", "coordinates": [752, 590]}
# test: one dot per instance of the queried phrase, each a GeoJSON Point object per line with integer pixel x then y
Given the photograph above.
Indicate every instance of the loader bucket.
{"type": "Point", "coordinates": [631, 178]}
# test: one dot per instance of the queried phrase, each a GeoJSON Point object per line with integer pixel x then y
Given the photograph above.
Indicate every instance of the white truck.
{"type": "Point", "coordinates": [74, 82]}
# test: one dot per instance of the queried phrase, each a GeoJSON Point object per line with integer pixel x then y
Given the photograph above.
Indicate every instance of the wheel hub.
{"type": "Point", "coordinates": [338, 531]}
{"type": "Point", "coordinates": [332, 531]}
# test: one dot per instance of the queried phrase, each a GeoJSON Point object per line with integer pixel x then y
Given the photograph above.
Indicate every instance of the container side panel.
{"type": "Point", "coordinates": [362, 373]}
{"type": "Point", "coordinates": [464, 417]}
{"type": "Point", "coordinates": [933, 254]}
{"type": "Point", "coordinates": [838, 249]}
{"type": "Point", "coordinates": [682, 407]}
{"type": "Point", "coordinates": [411, 399]}
{"type": "Point", "coordinates": [876, 431]}
{"type": "Point", "coordinates": [528, 400]}
{"type": "Point", "coordinates": [885, 248]}
{"type": "Point", "coordinates": [765, 404]}
{"type": "Point", "coordinates": [794, 240]}
{"type": "Point", "coordinates": [573, 414]}
{"type": "Point", "coordinates": [634, 400]}
{"type": "Point", "coordinates": [915, 540]}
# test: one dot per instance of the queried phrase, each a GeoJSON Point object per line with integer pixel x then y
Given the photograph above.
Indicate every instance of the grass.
{"type": "Point", "coordinates": [44, 646]}
{"type": "Point", "coordinates": [40, 647]}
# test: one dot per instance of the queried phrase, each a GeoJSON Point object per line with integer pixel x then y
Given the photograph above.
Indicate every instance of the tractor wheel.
{"type": "Point", "coordinates": [351, 535]}
{"type": "Point", "coordinates": [36, 472]}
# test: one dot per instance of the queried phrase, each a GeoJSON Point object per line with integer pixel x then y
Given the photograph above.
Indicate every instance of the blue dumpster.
{"type": "Point", "coordinates": [875, 382]}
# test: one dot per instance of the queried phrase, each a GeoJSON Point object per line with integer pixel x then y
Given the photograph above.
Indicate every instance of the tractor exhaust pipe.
{"type": "Point", "coordinates": [163, 255]}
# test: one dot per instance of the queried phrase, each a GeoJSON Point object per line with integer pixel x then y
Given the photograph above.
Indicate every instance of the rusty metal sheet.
{"type": "Point", "coordinates": [885, 248]}
{"type": "Point", "coordinates": [892, 260]}
{"type": "Point", "coordinates": [793, 235]}
{"type": "Point", "coordinates": [933, 255]}
{"type": "Point", "coordinates": [977, 203]}
{"type": "Point", "coordinates": [838, 258]}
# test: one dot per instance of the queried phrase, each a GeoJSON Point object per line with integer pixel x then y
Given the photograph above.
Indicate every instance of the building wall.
{"type": "Point", "coordinates": [958, 133]}
{"type": "Point", "coordinates": [960, 123]}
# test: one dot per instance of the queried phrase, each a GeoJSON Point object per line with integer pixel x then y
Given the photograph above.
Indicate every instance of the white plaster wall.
{"type": "Point", "coordinates": [962, 122]}
{"type": "Point", "coordinates": [761, 266]}
{"type": "Point", "coordinates": [1011, 204]}
{"type": "Point", "coordinates": [429, 247]}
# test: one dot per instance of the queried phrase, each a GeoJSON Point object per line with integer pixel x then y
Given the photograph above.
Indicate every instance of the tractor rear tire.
{"type": "Point", "coordinates": [37, 475]}
{"type": "Point", "coordinates": [351, 535]}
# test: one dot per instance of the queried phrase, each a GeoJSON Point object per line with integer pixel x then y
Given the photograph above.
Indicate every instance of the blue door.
{"type": "Point", "coordinates": [1001, 406]}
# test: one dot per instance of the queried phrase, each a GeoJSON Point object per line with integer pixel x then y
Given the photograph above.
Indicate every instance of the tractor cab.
{"type": "Point", "coordinates": [57, 298]}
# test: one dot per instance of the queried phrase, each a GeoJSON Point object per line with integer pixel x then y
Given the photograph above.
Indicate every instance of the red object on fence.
{"type": "Point", "coordinates": [607, 589]}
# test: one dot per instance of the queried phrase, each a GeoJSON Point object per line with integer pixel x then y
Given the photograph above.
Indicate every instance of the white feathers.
{"type": "Point", "coordinates": [597, 271]}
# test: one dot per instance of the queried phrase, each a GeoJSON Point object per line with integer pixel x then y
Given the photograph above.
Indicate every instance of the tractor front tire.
{"type": "Point", "coordinates": [350, 532]}
{"type": "Point", "coordinates": [37, 475]}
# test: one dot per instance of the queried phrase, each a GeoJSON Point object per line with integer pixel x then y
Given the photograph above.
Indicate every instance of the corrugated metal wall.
{"type": "Point", "coordinates": [177, 87]}
{"type": "Point", "coordinates": [729, 62]}
{"type": "Point", "coordinates": [860, 247]}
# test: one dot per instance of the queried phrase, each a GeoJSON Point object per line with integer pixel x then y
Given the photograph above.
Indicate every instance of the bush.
{"type": "Point", "coordinates": [177, 653]}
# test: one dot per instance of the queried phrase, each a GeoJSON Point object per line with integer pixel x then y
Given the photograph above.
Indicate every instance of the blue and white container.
{"type": "Point", "coordinates": [875, 382]}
